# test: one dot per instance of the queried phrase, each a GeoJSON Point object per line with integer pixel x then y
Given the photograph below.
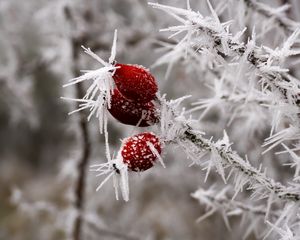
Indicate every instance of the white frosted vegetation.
{"type": "Point", "coordinates": [238, 128]}
{"type": "Point", "coordinates": [253, 82]}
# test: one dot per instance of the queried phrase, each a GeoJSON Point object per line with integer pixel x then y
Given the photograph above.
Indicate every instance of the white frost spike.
{"type": "Point", "coordinates": [90, 75]}
{"type": "Point", "coordinates": [208, 104]}
{"type": "Point", "coordinates": [290, 133]}
{"type": "Point", "coordinates": [113, 48]}
{"type": "Point", "coordinates": [206, 215]}
{"type": "Point", "coordinates": [296, 161]}
{"type": "Point", "coordinates": [285, 234]}
{"type": "Point", "coordinates": [224, 142]}
{"type": "Point", "coordinates": [289, 210]}
{"type": "Point", "coordinates": [118, 171]}
{"type": "Point", "coordinates": [170, 128]}
{"type": "Point", "coordinates": [170, 10]}
{"type": "Point", "coordinates": [286, 51]}
{"type": "Point", "coordinates": [124, 182]}
{"type": "Point", "coordinates": [269, 203]}
{"type": "Point", "coordinates": [216, 159]}
{"type": "Point", "coordinates": [199, 41]}
{"type": "Point", "coordinates": [192, 152]}
{"type": "Point", "coordinates": [240, 181]}
{"type": "Point", "coordinates": [156, 153]}
{"type": "Point", "coordinates": [98, 95]}
{"type": "Point", "coordinates": [188, 5]}
{"type": "Point", "coordinates": [214, 14]}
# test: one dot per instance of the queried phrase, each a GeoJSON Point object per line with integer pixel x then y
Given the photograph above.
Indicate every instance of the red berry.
{"type": "Point", "coordinates": [131, 113]}
{"type": "Point", "coordinates": [136, 152]}
{"type": "Point", "coordinates": [135, 82]}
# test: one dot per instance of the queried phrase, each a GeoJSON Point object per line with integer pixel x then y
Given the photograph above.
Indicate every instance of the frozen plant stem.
{"type": "Point", "coordinates": [255, 60]}
{"type": "Point", "coordinates": [256, 56]}
{"type": "Point", "coordinates": [218, 199]}
{"type": "Point", "coordinates": [86, 146]}
{"type": "Point", "coordinates": [288, 25]}
{"type": "Point", "coordinates": [84, 159]}
{"type": "Point", "coordinates": [176, 129]}
{"type": "Point", "coordinates": [233, 160]}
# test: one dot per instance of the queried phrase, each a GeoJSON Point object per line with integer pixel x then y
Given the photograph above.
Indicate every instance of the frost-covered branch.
{"type": "Point", "coordinates": [245, 71]}
{"type": "Point", "coordinates": [265, 83]}
{"type": "Point", "coordinates": [244, 172]}
{"type": "Point", "coordinates": [208, 36]}
{"type": "Point", "coordinates": [220, 201]}
{"type": "Point", "coordinates": [176, 129]}
{"type": "Point", "coordinates": [253, 217]}
{"type": "Point", "coordinates": [86, 146]}
{"type": "Point", "coordinates": [268, 12]}
{"type": "Point", "coordinates": [83, 162]}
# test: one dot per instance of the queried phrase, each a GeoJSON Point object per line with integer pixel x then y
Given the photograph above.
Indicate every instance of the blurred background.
{"type": "Point", "coordinates": [40, 144]}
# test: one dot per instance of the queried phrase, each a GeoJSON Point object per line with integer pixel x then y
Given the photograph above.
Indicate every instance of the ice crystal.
{"type": "Point", "coordinates": [117, 170]}
{"type": "Point", "coordinates": [98, 95]}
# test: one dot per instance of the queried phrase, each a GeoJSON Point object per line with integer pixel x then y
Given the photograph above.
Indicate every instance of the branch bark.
{"type": "Point", "coordinates": [233, 160]}
{"type": "Point", "coordinates": [185, 135]}
{"type": "Point", "coordinates": [86, 149]}
{"type": "Point", "coordinates": [83, 161]}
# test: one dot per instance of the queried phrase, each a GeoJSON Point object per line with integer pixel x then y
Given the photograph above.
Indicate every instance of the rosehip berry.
{"type": "Point", "coordinates": [137, 153]}
{"type": "Point", "coordinates": [132, 113]}
{"type": "Point", "coordinates": [135, 83]}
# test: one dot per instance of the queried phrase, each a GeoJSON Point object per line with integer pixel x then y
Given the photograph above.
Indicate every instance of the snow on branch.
{"type": "Point", "coordinates": [97, 97]}
{"type": "Point", "coordinates": [244, 172]}
{"type": "Point", "coordinates": [219, 201]}
{"type": "Point", "coordinates": [253, 217]}
{"type": "Point", "coordinates": [208, 36]}
{"type": "Point", "coordinates": [246, 72]}
{"type": "Point", "coordinates": [175, 128]}
{"type": "Point", "coordinates": [276, 13]}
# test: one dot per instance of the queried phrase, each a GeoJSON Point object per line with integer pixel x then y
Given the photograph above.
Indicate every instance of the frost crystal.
{"type": "Point", "coordinates": [98, 95]}
{"type": "Point", "coordinates": [116, 169]}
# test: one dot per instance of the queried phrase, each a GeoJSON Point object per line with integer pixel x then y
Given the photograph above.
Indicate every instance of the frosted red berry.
{"type": "Point", "coordinates": [135, 82]}
{"type": "Point", "coordinates": [131, 113]}
{"type": "Point", "coordinates": [136, 152]}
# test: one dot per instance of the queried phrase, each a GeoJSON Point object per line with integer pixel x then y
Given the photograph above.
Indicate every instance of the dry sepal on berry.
{"type": "Point", "coordinates": [132, 113]}
{"type": "Point", "coordinates": [141, 151]}
{"type": "Point", "coordinates": [135, 82]}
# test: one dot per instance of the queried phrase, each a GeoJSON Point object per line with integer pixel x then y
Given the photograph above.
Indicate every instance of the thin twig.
{"type": "Point", "coordinates": [232, 159]}
{"type": "Point", "coordinates": [257, 61]}
{"type": "Point", "coordinates": [83, 161]}
{"type": "Point", "coordinates": [228, 204]}
{"type": "Point", "coordinates": [285, 23]}
{"type": "Point", "coordinates": [86, 146]}
{"type": "Point", "coordinates": [236, 49]}
{"type": "Point", "coordinates": [255, 178]}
